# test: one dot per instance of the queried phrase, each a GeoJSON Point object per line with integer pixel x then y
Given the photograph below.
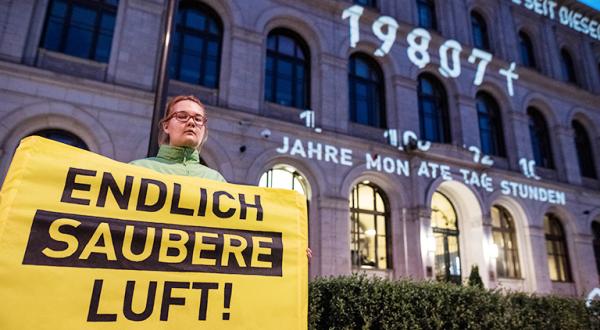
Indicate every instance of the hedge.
{"type": "Point", "coordinates": [361, 302]}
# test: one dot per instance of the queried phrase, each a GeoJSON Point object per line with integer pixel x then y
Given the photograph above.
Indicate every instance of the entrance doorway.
{"type": "Point", "coordinates": [444, 224]}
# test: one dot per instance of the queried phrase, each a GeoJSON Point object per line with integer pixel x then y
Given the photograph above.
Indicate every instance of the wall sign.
{"type": "Point", "coordinates": [407, 141]}
{"type": "Point", "coordinates": [563, 14]}
{"type": "Point", "coordinates": [385, 28]}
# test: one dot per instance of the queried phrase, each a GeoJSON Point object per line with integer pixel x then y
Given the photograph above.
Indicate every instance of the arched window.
{"type": "Point", "coordinates": [556, 245]}
{"type": "Point", "coordinates": [490, 126]}
{"type": "Point", "coordinates": [585, 157]}
{"type": "Point", "coordinates": [503, 233]}
{"type": "Point", "coordinates": [81, 28]}
{"type": "Point", "coordinates": [444, 223]}
{"type": "Point", "coordinates": [366, 91]}
{"type": "Point", "coordinates": [196, 50]}
{"type": "Point", "coordinates": [369, 227]}
{"type": "Point", "coordinates": [286, 177]}
{"type": "Point", "coordinates": [596, 233]}
{"type": "Point", "coordinates": [63, 137]}
{"type": "Point", "coordinates": [433, 110]}
{"type": "Point", "coordinates": [287, 71]}
{"type": "Point", "coordinates": [540, 139]}
{"type": "Point", "coordinates": [426, 13]}
{"type": "Point", "coordinates": [366, 3]}
{"type": "Point", "coordinates": [480, 33]}
{"type": "Point", "coordinates": [526, 50]}
{"type": "Point", "coordinates": [568, 67]}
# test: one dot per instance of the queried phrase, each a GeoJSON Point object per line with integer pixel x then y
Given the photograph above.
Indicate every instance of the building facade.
{"type": "Point", "coordinates": [428, 136]}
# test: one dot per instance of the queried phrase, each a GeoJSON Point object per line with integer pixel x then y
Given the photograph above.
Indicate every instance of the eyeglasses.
{"type": "Point", "coordinates": [183, 117]}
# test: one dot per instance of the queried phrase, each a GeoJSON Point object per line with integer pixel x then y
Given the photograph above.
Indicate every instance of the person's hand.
{"type": "Point", "coordinates": [309, 254]}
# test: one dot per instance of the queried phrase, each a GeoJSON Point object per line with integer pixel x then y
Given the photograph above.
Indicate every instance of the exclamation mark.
{"type": "Point", "coordinates": [227, 300]}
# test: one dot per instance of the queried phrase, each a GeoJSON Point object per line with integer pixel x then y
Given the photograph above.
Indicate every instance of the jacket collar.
{"type": "Point", "coordinates": [178, 154]}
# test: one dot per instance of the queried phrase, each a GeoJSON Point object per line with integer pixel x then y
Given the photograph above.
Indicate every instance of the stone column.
{"type": "Point", "coordinates": [509, 47]}
{"type": "Point", "coordinates": [519, 122]}
{"type": "Point", "coordinates": [565, 154]}
{"type": "Point", "coordinates": [489, 272]}
{"type": "Point", "coordinates": [550, 54]}
{"type": "Point", "coordinates": [332, 112]}
{"type": "Point", "coordinates": [587, 78]}
{"type": "Point", "coordinates": [247, 70]}
{"type": "Point", "coordinates": [539, 261]}
{"type": "Point", "coordinates": [15, 18]}
{"type": "Point", "coordinates": [461, 21]}
{"type": "Point", "coordinates": [583, 266]}
{"type": "Point", "coordinates": [421, 242]}
{"type": "Point", "coordinates": [407, 105]}
{"type": "Point", "coordinates": [137, 44]}
{"type": "Point", "coordinates": [469, 122]}
{"type": "Point", "coordinates": [334, 223]}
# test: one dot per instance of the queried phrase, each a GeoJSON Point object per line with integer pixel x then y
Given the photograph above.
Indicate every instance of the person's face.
{"type": "Point", "coordinates": [188, 133]}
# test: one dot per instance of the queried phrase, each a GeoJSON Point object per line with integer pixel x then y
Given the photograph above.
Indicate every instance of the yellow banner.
{"type": "Point", "coordinates": [90, 243]}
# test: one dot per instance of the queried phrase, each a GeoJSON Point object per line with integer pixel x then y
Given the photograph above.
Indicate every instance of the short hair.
{"type": "Point", "coordinates": [163, 138]}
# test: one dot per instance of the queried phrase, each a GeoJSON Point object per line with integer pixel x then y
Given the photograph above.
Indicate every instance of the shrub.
{"type": "Point", "coordinates": [474, 278]}
{"type": "Point", "coordinates": [361, 302]}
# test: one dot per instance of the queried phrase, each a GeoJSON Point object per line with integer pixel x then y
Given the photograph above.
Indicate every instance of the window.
{"type": "Point", "coordinates": [366, 3]}
{"type": "Point", "coordinates": [556, 246]}
{"type": "Point", "coordinates": [196, 51]}
{"type": "Point", "coordinates": [540, 139]}
{"type": "Point", "coordinates": [596, 233]}
{"type": "Point", "coordinates": [287, 69]}
{"type": "Point", "coordinates": [285, 177]}
{"type": "Point", "coordinates": [444, 223]}
{"type": "Point", "coordinates": [585, 157]}
{"type": "Point", "coordinates": [366, 88]}
{"type": "Point", "coordinates": [480, 33]}
{"type": "Point", "coordinates": [63, 137]}
{"type": "Point", "coordinates": [526, 50]}
{"type": "Point", "coordinates": [503, 233]}
{"type": "Point", "coordinates": [369, 221]}
{"type": "Point", "coordinates": [568, 67]}
{"type": "Point", "coordinates": [490, 126]}
{"type": "Point", "coordinates": [81, 28]}
{"type": "Point", "coordinates": [426, 14]}
{"type": "Point", "coordinates": [433, 110]}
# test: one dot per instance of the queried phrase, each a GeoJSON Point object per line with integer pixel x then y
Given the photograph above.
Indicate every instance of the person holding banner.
{"type": "Point", "coordinates": [183, 131]}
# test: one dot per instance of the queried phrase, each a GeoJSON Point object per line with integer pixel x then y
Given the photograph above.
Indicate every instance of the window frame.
{"type": "Point", "coordinates": [595, 226]}
{"type": "Point", "coordinates": [370, 3]}
{"type": "Point", "coordinates": [50, 133]}
{"type": "Point", "coordinates": [100, 9]}
{"type": "Point", "coordinates": [540, 139]}
{"type": "Point", "coordinates": [375, 117]}
{"type": "Point", "coordinates": [179, 33]}
{"type": "Point", "coordinates": [479, 22]}
{"type": "Point", "coordinates": [567, 65]}
{"type": "Point", "coordinates": [447, 233]}
{"type": "Point", "coordinates": [558, 241]}
{"type": "Point", "coordinates": [276, 56]}
{"type": "Point", "coordinates": [527, 48]}
{"type": "Point", "coordinates": [508, 232]}
{"type": "Point", "coordinates": [494, 117]}
{"type": "Point", "coordinates": [583, 147]}
{"type": "Point", "coordinates": [355, 212]}
{"type": "Point", "coordinates": [439, 99]}
{"type": "Point", "coordinates": [429, 7]}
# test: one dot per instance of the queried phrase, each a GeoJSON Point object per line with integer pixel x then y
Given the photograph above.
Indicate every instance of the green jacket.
{"type": "Point", "coordinates": [179, 161]}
